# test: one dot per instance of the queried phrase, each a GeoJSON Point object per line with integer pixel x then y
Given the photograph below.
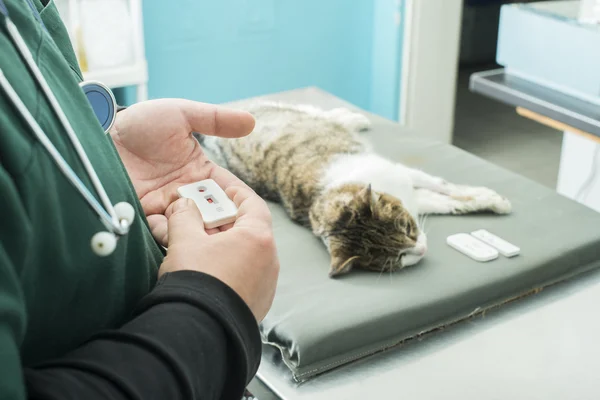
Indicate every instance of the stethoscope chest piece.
{"type": "Point", "coordinates": [103, 102]}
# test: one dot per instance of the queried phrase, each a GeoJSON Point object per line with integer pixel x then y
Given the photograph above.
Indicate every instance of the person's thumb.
{"type": "Point", "coordinates": [185, 221]}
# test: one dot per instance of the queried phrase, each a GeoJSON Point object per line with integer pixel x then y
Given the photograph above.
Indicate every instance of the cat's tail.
{"type": "Point", "coordinates": [351, 120]}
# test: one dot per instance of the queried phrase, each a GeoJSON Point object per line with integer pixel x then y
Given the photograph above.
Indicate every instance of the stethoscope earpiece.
{"type": "Point", "coordinates": [104, 243]}
{"type": "Point", "coordinates": [125, 212]}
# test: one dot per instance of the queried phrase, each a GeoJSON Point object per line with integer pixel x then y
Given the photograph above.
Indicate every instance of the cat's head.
{"type": "Point", "coordinates": [365, 229]}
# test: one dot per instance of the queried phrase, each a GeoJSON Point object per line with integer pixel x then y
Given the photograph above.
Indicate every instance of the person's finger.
{"type": "Point", "coordinates": [184, 221]}
{"type": "Point", "coordinates": [156, 201]}
{"type": "Point", "coordinates": [159, 228]}
{"type": "Point", "coordinates": [210, 119]}
{"type": "Point", "coordinates": [252, 209]}
{"type": "Point", "coordinates": [162, 230]}
{"type": "Point", "coordinates": [226, 227]}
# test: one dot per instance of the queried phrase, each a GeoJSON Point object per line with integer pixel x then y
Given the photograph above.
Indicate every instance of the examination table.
{"type": "Point", "coordinates": [447, 327]}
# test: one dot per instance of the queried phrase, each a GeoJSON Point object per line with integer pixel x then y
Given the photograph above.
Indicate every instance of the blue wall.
{"type": "Point", "coordinates": [386, 60]}
{"type": "Point", "coordinates": [218, 51]}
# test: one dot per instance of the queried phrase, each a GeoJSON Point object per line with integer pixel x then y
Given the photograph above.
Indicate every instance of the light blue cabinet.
{"type": "Point", "coordinates": [544, 42]}
{"type": "Point", "coordinates": [218, 51]}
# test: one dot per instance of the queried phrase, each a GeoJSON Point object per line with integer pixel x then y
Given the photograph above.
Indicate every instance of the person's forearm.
{"type": "Point", "coordinates": [192, 338]}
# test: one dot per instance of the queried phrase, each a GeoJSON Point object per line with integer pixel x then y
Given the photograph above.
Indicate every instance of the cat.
{"type": "Point", "coordinates": [364, 207]}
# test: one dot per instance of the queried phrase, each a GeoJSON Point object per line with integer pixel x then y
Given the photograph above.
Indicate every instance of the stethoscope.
{"type": "Point", "coordinates": [118, 218]}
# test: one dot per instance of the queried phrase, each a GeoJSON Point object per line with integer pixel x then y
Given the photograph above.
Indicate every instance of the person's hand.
{"type": "Point", "coordinates": [154, 139]}
{"type": "Point", "coordinates": [243, 257]}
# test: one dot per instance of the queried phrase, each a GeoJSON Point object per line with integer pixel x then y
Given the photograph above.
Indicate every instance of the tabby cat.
{"type": "Point", "coordinates": [364, 207]}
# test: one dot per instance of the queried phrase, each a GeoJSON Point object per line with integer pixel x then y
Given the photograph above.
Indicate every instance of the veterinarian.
{"type": "Point", "coordinates": [85, 316]}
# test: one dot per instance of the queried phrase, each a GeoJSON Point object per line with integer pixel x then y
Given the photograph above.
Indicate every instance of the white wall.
{"type": "Point", "coordinates": [576, 169]}
{"type": "Point", "coordinates": [430, 65]}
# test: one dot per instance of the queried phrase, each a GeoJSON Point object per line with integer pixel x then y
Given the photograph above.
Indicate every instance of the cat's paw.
{"type": "Point", "coordinates": [482, 199]}
{"type": "Point", "coordinates": [500, 205]}
{"type": "Point", "coordinates": [350, 120]}
{"type": "Point", "coordinates": [488, 200]}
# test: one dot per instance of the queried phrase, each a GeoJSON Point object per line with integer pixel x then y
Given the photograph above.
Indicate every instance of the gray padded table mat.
{"type": "Point", "coordinates": [320, 323]}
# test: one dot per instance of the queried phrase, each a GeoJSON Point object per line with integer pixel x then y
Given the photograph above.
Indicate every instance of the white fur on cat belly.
{"type": "Point", "coordinates": [383, 175]}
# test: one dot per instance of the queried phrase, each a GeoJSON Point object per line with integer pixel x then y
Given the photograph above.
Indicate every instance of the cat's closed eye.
{"type": "Point", "coordinates": [411, 231]}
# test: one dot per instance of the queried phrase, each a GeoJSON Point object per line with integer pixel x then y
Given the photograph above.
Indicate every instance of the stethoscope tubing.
{"type": "Point", "coordinates": [58, 159]}
{"type": "Point", "coordinates": [106, 214]}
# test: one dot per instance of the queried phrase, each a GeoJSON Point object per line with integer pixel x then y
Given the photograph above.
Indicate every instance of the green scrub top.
{"type": "Point", "coordinates": [54, 291]}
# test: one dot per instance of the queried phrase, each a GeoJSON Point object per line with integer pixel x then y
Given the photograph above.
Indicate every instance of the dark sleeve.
{"type": "Point", "coordinates": [192, 337]}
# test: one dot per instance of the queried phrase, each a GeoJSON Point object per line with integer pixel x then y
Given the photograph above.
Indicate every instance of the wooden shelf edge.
{"type": "Point", "coordinates": [549, 122]}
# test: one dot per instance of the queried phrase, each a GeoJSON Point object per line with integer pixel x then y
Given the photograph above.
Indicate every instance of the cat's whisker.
{"type": "Point", "coordinates": [380, 273]}
{"type": "Point", "coordinates": [424, 223]}
{"type": "Point", "coordinates": [399, 258]}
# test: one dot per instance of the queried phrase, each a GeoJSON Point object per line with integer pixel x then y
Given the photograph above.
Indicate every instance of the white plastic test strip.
{"type": "Point", "coordinates": [505, 248]}
{"type": "Point", "coordinates": [472, 247]}
{"type": "Point", "coordinates": [216, 208]}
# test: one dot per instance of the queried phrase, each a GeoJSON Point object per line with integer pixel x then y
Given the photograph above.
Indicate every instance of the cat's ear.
{"type": "Point", "coordinates": [369, 196]}
{"type": "Point", "coordinates": [339, 266]}
{"type": "Point", "coordinates": [366, 193]}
